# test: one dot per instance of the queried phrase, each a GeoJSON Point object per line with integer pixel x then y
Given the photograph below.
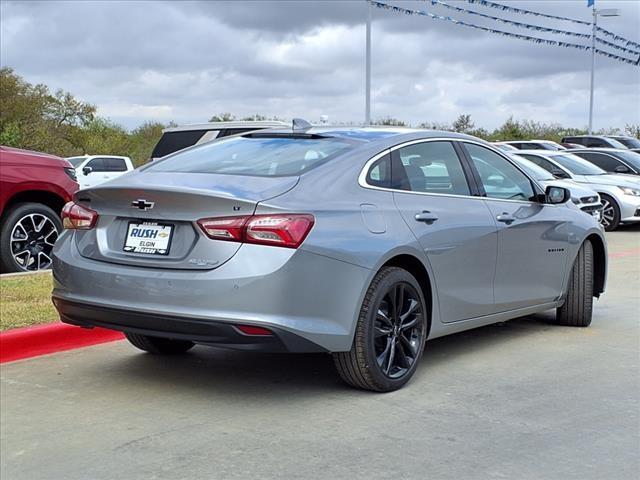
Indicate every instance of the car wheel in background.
{"type": "Point", "coordinates": [157, 345]}
{"type": "Point", "coordinates": [390, 334]}
{"type": "Point", "coordinates": [610, 215]}
{"type": "Point", "coordinates": [578, 305]}
{"type": "Point", "coordinates": [28, 233]}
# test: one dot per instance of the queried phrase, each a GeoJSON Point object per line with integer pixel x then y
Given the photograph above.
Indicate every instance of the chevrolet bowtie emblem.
{"type": "Point", "coordinates": [142, 204]}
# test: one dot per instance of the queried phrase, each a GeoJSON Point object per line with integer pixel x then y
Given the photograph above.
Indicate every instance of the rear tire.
{"type": "Point", "coordinates": [390, 334]}
{"type": "Point", "coordinates": [158, 345]}
{"type": "Point", "coordinates": [577, 309]}
{"type": "Point", "coordinates": [610, 215]}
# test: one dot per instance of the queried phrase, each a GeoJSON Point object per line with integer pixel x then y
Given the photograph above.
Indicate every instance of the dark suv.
{"type": "Point", "coordinates": [33, 189]}
{"type": "Point", "coordinates": [593, 141]}
{"type": "Point", "coordinates": [177, 138]}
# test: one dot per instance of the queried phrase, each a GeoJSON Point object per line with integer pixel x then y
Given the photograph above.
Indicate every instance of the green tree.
{"type": "Point", "coordinates": [223, 117]}
{"type": "Point", "coordinates": [632, 129]}
{"type": "Point", "coordinates": [463, 124]}
{"type": "Point", "coordinates": [389, 121]}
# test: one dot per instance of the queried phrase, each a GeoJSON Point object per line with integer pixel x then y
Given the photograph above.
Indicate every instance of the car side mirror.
{"type": "Point", "coordinates": [621, 169]}
{"type": "Point", "coordinates": [556, 172]}
{"type": "Point", "coordinates": [87, 170]}
{"type": "Point", "coordinates": [556, 195]}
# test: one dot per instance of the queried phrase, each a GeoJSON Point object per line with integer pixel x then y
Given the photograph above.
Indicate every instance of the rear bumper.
{"type": "Point", "coordinates": [180, 328]}
{"type": "Point", "coordinates": [295, 292]}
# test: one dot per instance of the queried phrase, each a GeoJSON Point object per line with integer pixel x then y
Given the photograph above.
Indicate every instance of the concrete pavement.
{"type": "Point", "coordinates": [520, 400]}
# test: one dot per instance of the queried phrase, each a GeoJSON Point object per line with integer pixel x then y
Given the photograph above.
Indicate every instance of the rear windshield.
{"type": "Point", "coordinates": [76, 161]}
{"type": "Point", "coordinates": [258, 156]}
{"type": "Point", "coordinates": [171, 142]}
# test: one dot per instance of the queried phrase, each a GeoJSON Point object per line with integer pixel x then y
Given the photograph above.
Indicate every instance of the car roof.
{"type": "Point", "coordinates": [528, 141]}
{"type": "Point", "coordinates": [546, 152]}
{"type": "Point", "coordinates": [101, 156]}
{"type": "Point", "coordinates": [381, 134]}
{"type": "Point", "coordinates": [222, 125]}
{"type": "Point", "coordinates": [598, 149]}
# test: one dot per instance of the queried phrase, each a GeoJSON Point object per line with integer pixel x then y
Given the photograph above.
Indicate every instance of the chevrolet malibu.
{"type": "Point", "coordinates": [359, 242]}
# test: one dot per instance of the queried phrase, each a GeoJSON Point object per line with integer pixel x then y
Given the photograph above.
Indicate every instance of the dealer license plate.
{"type": "Point", "coordinates": [148, 237]}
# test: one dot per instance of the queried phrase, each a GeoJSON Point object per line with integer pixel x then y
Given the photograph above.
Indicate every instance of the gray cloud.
{"type": "Point", "coordinates": [185, 61]}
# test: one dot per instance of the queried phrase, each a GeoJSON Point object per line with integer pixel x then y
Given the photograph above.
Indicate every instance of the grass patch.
{"type": "Point", "coordinates": [25, 300]}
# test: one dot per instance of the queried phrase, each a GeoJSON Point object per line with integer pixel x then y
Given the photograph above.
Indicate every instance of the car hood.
{"type": "Point", "coordinates": [632, 181]}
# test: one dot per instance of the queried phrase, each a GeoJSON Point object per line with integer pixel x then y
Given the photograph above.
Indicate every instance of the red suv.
{"type": "Point", "coordinates": [33, 189]}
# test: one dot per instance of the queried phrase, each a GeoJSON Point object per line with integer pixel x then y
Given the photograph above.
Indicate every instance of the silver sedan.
{"type": "Point", "coordinates": [359, 242]}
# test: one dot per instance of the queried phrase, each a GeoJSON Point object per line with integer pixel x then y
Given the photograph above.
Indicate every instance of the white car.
{"type": "Point", "coordinates": [533, 145]}
{"type": "Point", "coordinates": [619, 193]}
{"type": "Point", "coordinates": [93, 170]}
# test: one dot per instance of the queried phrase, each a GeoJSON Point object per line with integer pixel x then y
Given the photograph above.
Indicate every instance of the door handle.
{"type": "Point", "coordinates": [426, 217]}
{"type": "Point", "coordinates": [505, 217]}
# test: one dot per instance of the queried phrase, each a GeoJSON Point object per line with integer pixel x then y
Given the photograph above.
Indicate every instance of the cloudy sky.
{"type": "Point", "coordinates": [185, 61]}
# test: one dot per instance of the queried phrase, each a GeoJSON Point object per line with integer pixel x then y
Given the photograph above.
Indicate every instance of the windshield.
{"type": "Point", "coordinates": [577, 165]}
{"type": "Point", "coordinates": [629, 142]}
{"type": "Point", "coordinates": [256, 155]}
{"type": "Point", "coordinates": [76, 161]}
{"type": "Point", "coordinates": [632, 158]}
{"type": "Point", "coordinates": [533, 170]}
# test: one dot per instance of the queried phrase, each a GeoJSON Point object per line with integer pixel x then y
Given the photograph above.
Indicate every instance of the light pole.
{"type": "Point", "coordinates": [367, 104]}
{"type": "Point", "coordinates": [604, 12]}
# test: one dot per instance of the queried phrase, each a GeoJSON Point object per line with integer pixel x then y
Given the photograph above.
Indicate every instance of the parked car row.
{"type": "Point", "coordinates": [33, 191]}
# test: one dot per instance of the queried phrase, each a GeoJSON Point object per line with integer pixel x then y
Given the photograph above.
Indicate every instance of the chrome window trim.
{"type": "Point", "coordinates": [362, 178]}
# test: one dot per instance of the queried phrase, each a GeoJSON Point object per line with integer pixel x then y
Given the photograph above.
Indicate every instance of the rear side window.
{"type": "Point", "coordinates": [115, 165]}
{"type": "Point", "coordinates": [379, 174]}
{"type": "Point", "coordinates": [257, 156]}
{"type": "Point", "coordinates": [171, 142]}
{"type": "Point", "coordinates": [430, 167]}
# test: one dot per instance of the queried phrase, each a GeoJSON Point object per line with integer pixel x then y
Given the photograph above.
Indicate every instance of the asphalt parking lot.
{"type": "Point", "coordinates": [523, 399]}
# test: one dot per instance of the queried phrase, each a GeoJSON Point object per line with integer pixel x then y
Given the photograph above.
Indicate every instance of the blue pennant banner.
{"type": "Point", "coordinates": [544, 41]}
{"type": "Point", "coordinates": [508, 22]}
{"type": "Point", "coordinates": [507, 8]}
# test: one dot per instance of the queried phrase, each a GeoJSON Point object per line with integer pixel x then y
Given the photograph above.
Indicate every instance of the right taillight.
{"type": "Point", "coordinates": [283, 229]}
{"type": "Point", "coordinates": [77, 217]}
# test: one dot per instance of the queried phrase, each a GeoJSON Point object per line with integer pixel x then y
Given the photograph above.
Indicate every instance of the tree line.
{"type": "Point", "coordinates": [34, 118]}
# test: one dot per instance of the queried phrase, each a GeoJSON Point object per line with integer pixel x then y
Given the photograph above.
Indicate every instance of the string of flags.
{"type": "Point", "coordinates": [522, 11]}
{"type": "Point", "coordinates": [509, 22]}
{"type": "Point", "coordinates": [407, 11]}
{"type": "Point", "coordinates": [507, 8]}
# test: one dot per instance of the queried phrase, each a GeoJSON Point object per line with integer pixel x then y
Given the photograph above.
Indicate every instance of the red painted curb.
{"type": "Point", "coordinates": [50, 338]}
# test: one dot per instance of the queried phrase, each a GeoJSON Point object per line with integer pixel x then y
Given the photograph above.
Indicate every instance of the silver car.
{"type": "Point", "coordinates": [359, 242]}
{"type": "Point", "coordinates": [584, 197]}
{"type": "Point", "coordinates": [619, 193]}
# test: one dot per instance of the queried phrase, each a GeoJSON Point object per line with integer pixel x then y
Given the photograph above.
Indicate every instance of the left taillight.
{"type": "Point", "coordinates": [77, 217]}
{"type": "Point", "coordinates": [282, 230]}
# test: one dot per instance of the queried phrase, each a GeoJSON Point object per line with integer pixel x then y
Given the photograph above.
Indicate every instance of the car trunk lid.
{"type": "Point", "coordinates": [170, 204]}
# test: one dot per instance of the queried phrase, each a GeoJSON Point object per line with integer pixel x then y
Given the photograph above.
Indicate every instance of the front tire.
{"type": "Point", "coordinates": [28, 233]}
{"type": "Point", "coordinates": [577, 309]}
{"type": "Point", "coordinates": [390, 334]}
{"type": "Point", "coordinates": [610, 216]}
{"type": "Point", "coordinates": [158, 345]}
